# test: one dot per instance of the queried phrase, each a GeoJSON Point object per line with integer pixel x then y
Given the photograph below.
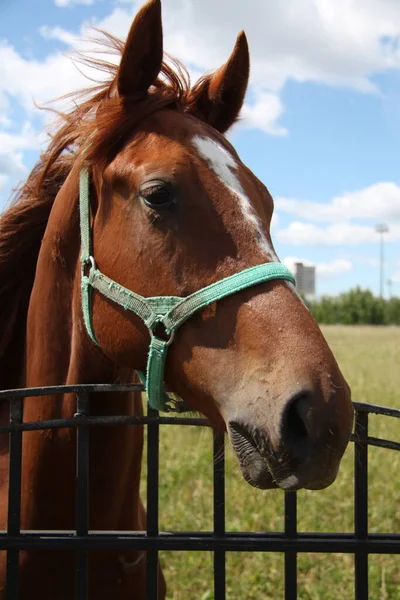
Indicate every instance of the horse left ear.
{"type": "Point", "coordinates": [143, 53]}
{"type": "Point", "coordinates": [218, 98]}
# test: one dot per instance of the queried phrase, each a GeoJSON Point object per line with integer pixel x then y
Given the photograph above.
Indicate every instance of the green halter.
{"type": "Point", "coordinates": [168, 312]}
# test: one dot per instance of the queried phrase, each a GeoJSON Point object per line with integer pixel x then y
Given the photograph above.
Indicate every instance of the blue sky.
{"type": "Point", "coordinates": [321, 126]}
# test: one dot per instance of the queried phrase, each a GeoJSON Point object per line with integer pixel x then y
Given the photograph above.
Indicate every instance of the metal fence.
{"type": "Point", "coordinates": [361, 543]}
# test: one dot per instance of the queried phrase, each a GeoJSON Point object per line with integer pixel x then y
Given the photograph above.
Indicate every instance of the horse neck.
{"type": "Point", "coordinates": [58, 351]}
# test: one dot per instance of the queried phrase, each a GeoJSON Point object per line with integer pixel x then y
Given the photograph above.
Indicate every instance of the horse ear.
{"type": "Point", "coordinates": [218, 98]}
{"type": "Point", "coordinates": [143, 53]}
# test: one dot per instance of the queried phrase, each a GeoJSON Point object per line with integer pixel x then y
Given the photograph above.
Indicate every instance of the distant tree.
{"type": "Point", "coordinates": [356, 307]}
{"type": "Point", "coordinates": [392, 311]}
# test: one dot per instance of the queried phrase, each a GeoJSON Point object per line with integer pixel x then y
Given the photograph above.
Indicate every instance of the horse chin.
{"type": "Point", "coordinates": [255, 471]}
{"type": "Point", "coordinates": [253, 465]}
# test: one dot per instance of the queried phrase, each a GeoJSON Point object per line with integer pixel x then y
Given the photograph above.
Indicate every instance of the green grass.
{"type": "Point", "coordinates": [370, 360]}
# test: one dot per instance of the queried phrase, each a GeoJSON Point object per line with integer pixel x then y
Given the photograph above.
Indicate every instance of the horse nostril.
{"type": "Point", "coordinates": [296, 425]}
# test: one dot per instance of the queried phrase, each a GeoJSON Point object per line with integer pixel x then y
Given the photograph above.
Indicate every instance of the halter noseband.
{"type": "Point", "coordinates": [169, 312]}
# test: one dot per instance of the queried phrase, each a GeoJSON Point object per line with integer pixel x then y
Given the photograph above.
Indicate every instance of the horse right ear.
{"type": "Point", "coordinates": [143, 53]}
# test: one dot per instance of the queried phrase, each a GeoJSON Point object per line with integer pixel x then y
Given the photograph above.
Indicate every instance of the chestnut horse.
{"type": "Point", "coordinates": [173, 209]}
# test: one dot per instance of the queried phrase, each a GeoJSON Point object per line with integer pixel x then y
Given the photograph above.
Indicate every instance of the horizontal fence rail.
{"type": "Point", "coordinates": [361, 543]}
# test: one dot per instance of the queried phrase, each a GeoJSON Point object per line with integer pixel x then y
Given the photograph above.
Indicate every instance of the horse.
{"type": "Point", "coordinates": [172, 210]}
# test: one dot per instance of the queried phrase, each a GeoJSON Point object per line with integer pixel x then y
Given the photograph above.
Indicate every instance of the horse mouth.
{"type": "Point", "coordinates": [252, 453]}
{"type": "Point", "coordinates": [266, 468]}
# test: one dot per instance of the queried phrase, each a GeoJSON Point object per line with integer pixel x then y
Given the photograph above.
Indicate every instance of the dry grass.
{"type": "Point", "coordinates": [370, 359]}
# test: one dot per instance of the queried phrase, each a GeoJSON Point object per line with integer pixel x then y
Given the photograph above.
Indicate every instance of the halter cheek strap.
{"type": "Point", "coordinates": [157, 312]}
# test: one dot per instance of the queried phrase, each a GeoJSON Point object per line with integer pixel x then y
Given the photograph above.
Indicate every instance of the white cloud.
{"type": "Point", "coordinates": [64, 3]}
{"type": "Point", "coordinates": [11, 164]}
{"type": "Point", "coordinates": [378, 202]}
{"type": "Point", "coordinates": [31, 81]}
{"type": "Point", "coordinates": [264, 114]}
{"type": "Point", "coordinates": [350, 218]}
{"type": "Point", "coordinates": [5, 121]}
{"type": "Point", "coordinates": [12, 146]}
{"type": "Point", "coordinates": [334, 267]}
{"type": "Point", "coordinates": [323, 269]}
{"type": "Point", "coordinates": [59, 34]}
{"type": "Point", "coordinates": [338, 234]}
{"type": "Point", "coordinates": [26, 139]}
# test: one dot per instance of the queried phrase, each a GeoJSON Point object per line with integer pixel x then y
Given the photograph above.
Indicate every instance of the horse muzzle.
{"type": "Point", "coordinates": [302, 449]}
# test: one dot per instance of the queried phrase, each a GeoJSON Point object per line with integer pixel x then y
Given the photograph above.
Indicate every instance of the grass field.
{"type": "Point", "coordinates": [370, 360]}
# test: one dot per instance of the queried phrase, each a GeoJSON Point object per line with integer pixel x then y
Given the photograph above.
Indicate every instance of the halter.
{"type": "Point", "coordinates": [157, 312]}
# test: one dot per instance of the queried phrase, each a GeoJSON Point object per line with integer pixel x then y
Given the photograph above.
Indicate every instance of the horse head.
{"type": "Point", "coordinates": [173, 210]}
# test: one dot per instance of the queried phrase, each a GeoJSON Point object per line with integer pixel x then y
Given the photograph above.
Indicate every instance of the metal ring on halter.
{"type": "Point", "coordinates": [92, 262]}
{"type": "Point", "coordinates": [170, 335]}
{"type": "Point", "coordinates": [85, 264]}
{"type": "Point", "coordinates": [171, 338]}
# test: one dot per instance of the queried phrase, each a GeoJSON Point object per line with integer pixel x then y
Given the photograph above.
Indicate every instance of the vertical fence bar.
{"type": "Point", "coordinates": [290, 557]}
{"type": "Point", "coordinates": [153, 463]}
{"type": "Point", "coordinates": [219, 514]}
{"type": "Point", "coordinates": [361, 502]}
{"type": "Point", "coordinates": [82, 495]}
{"type": "Point", "coordinates": [14, 498]}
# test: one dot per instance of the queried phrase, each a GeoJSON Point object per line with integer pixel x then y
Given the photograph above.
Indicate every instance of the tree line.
{"type": "Point", "coordinates": [356, 307]}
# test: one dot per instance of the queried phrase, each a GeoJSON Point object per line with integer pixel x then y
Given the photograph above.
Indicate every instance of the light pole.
{"type": "Point", "coordinates": [381, 229]}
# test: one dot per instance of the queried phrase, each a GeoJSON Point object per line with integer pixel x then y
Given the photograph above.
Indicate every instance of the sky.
{"type": "Point", "coordinates": [320, 126]}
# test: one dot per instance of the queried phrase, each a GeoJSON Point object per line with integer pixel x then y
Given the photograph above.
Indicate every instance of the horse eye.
{"type": "Point", "coordinates": [157, 195]}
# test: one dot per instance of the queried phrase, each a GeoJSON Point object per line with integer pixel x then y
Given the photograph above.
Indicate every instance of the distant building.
{"type": "Point", "coordinates": [305, 279]}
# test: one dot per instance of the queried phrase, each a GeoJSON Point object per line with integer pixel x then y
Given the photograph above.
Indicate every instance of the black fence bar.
{"type": "Point", "coordinates": [206, 542]}
{"type": "Point", "coordinates": [102, 421]}
{"type": "Point", "coordinates": [219, 514]}
{"type": "Point", "coordinates": [290, 557]}
{"type": "Point", "coordinates": [82, 494]}
{"type": "Point", "coordinates": [361, 502]}
{"type": "Point", "coordinates": [377, 409]}
{"type": "Point", "coordinates": [14, 498]}
{"type": "Point", "coordinates": [153, 450]}
{"type": "Point", "coordinates": [54, 390]}
{"type": "Point", "coordinates": [132, 420]}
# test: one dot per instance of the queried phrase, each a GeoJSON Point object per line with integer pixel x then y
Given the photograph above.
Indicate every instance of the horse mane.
{"type": "Point", "coordinates": [91, 133]}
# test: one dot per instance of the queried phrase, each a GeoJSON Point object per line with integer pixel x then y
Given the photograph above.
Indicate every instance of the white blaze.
{"type": "Point", "coordinates": [224, 166]}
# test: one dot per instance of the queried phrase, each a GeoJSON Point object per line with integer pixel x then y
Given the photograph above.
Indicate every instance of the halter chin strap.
{"type": "Point", "coordinates": [158, 312]}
